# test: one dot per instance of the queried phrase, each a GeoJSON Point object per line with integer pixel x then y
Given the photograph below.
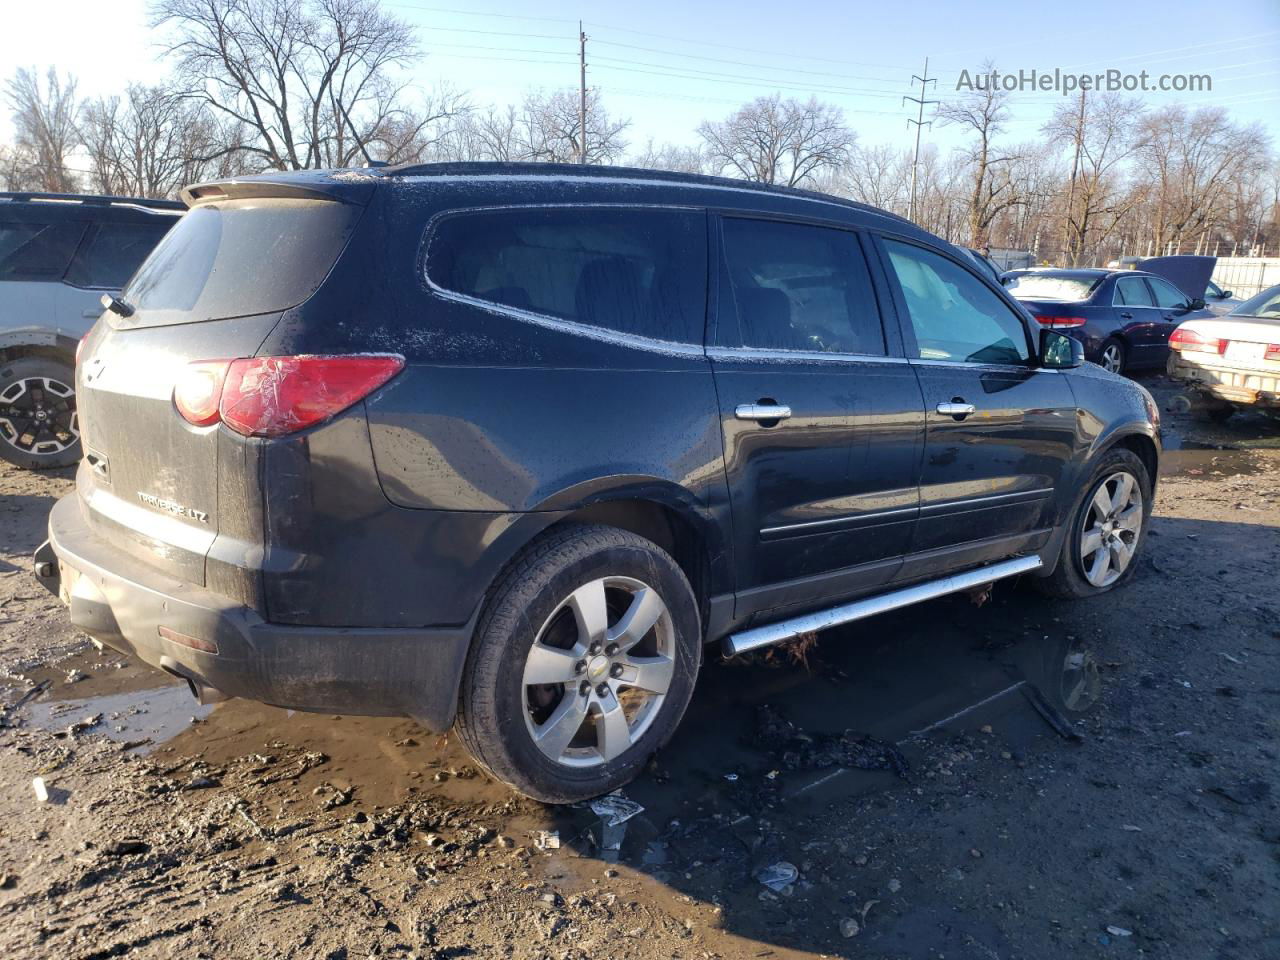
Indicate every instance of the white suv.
{"type": "Point", "coordinates": [59, 254]}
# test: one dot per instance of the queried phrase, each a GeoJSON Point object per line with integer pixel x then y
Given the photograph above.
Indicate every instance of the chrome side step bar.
{"type": "Point", "coordinates": [772, 633]}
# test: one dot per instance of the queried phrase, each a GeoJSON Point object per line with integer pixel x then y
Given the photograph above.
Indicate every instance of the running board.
{"type": "Point", "coordinates": [771, 633]}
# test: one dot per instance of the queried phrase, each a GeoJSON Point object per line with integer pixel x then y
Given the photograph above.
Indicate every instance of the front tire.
{"type": "Point", "coordinates": [39, 427]}
{"type": "Point", "coordinates": [1107, 526]}
{"type": "Point", "coordinates": [583, 664]}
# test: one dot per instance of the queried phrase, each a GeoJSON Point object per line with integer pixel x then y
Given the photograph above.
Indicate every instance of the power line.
{"type": "Point", "coordinates": [692, 73]}
{"type": "Point", "coordinates": [743, 63]}
{"type": "Point", "coordinates": [478, 13]}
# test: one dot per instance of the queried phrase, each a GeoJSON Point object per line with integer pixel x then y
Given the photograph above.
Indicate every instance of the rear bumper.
{"type": "Point", "coordinates": [1258, 388]}
{"type": "Point", "coordinates": [222, 646]}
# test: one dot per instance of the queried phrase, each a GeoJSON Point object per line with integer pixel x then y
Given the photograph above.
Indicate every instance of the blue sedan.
{"type": "Point", "coordinates": [1123, 317]}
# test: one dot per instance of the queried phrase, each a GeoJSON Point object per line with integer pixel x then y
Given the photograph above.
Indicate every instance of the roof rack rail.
{"type": "Point", "coordinates": [608, 171]}
{"type": "Point", "coordinates": [95, 199]}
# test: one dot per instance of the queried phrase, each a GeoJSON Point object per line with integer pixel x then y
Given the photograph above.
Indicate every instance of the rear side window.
{"type": "Point", "coordinates": [1132, 292]}
{"type": "Point", "coordinates": [954, 314]}
{"type": "Point", "coordinates": [240, 257]}
{"type": "Point", "coordinates": [801, 287]}
{"type": "Point", "coordinates": [640, 272]}
{"type": "Point", "coordinates": [1166, 294]}
{"type": "Point", "coordinates": [37, 251]}
{"type": "Point", "coordinates": [113, 251]}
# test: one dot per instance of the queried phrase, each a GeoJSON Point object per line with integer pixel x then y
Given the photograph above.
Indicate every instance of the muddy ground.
{"type": "Point", "coordinates": [1097, 779]}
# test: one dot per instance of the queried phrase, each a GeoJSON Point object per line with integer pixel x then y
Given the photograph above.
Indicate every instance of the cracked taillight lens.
{"type": "Point", "coordinates": [273, 396]}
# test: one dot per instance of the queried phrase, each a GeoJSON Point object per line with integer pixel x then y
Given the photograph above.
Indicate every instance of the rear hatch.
{"type": "Point", "coordinates": [153, 484]}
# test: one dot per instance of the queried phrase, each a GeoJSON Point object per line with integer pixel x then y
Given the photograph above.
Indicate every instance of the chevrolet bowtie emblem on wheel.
{"type": "Point", "coordinates": [169, 506]}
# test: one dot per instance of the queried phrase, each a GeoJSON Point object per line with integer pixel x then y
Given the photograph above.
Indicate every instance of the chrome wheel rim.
{"type": "Point", "coordinates": [598, 672]}
{"type": "Point", "coordinates": [1110, 530]}
{"type": "Point", "coordinates": [1111, 358]}
{"type": "Point", "coordinates": [38, 416]}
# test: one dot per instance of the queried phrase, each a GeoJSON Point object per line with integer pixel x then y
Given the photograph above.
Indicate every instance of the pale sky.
{"type": "Point", "coordinates": [667, 65]}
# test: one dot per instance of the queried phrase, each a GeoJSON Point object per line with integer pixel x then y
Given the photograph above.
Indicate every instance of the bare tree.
{"type": "Point", "coordinates": [46, 130]}
{"type": "Point", "coordinates": [1103, 133]}
{"type": "Point", "coordinates": [310, 80]}
{"type": "Point", "coordinates": [547, 128]}
{"type": "Point", "coordinates": [984, 113]}
{"type": "Point", "coordinates": [1191, 158]}
{"type": "Point", "coordinates": [877, 175]}
{"type": "Point", "coordinates": [772, 140]}
{"type": "Point", "coordinates": [155, 140]}
{"type": "Point", "coordinates": [669, 156]}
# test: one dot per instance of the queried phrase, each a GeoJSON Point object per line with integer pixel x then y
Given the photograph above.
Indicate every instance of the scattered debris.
{"type": "Point", "coordinates": [547, 840]}
{"type": "Point", "coordinates": [615, 809]}
{"type": "Point", "coordinates": [802, 750]}
{"type": "Point", "coordinates": [1244, 792]}
{"type": "Point", "coordinates": [849, 927]}
{"type": "Point", "coordinates": [895, 885]}
{"type": "Point", "coordinates": [42, 791]}
{"type": "Point", "coordinates": [1119, 931]}
{"type": "Point", "coordinates": [778, 876]}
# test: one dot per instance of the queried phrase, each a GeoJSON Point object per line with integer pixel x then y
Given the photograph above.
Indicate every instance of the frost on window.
{"type": "Point", "coordinates": [639, 272]}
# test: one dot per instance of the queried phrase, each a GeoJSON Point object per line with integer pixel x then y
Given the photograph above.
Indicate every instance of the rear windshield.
{"type": "Point", "coordinates": [1264, 304]}
{"type": "Point", "coordinates": [1040, 286]}
{"type": "Point", "coordinates": [240, 257]}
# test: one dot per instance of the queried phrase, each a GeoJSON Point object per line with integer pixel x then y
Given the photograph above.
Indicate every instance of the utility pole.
{"type": "Point", "coordinates": [582, 95]}
{"type": "Point", "coordinates": [920, 101]}
{"type": "Point", "coordinates": [1067, 253]}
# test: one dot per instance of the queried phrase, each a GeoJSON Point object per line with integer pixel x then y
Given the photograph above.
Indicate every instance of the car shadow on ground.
{"type": "Point", "coordinates": [1015, 679]}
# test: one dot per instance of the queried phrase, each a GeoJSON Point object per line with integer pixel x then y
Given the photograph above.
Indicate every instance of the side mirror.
{"type": "Point", "coordinates": [1060, 352]}
{"type": "Point", "coordinates": [1196, 304]}
{"type": "Point", "coordinates": [1227, 294]}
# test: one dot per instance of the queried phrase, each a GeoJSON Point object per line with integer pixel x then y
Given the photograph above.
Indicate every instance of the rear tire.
{"type": "Point", "coordinates": [39, 429]}
{"type": "Point", "coordinates": [1113, 523]}
{"type": "Point", "coordinates": [606, 626]}
{"type": "Point", "coordinates": [1112, 356]}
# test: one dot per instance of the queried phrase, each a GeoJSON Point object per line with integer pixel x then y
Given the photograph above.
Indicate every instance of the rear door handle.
{"type": "Point", "coordinates": [762, 411]}
{"type": "Point", "coordinates": [956, 408]}
{"type": "Point", "coordinates": [1126, 316]}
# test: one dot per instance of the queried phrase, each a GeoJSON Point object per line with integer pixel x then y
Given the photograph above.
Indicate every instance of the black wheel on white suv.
{"type": "Point", "coordinates": [583, 664]}
{"type": "Point", "coordinates": [39, 428]}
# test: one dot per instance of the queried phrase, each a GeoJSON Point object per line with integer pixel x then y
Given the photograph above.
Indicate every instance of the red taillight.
{"type": "Point", "coordinates": [1184, 339]}
{"type": "Point", "coordinates": [272, 396]}
{"type": "Point", "coordinates": [1273, 351]}
{"type": "Point", "coordinates": [1056, 322]}
{"type": "Point", "coordinates": [199, 390]}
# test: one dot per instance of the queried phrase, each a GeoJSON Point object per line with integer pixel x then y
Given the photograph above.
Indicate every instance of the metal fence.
{"type": "Point", "coordinates": [1245, 276]}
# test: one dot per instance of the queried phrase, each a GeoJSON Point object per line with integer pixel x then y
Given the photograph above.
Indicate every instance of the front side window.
{"type": "Point", "coordinates": [954, 314]}
{"type": "Point", "coordinates": [1132, 292]}
{"type": "Point", "coordinates": [1167, 295]}
{"type": "Point", "coordinates": [111, 254]}
{"type": "Point", "coordinates": [635, 271]}
{"type": "Point", "coordinates": [37, 251]}
{"type": "Point", "coordinates": [803, 288]}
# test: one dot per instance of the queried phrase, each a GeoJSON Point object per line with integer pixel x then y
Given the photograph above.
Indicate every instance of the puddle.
{"type": "Point", "coordinates": [1193, 460]}
{"type": "Point", "coordinates": [137, 704]}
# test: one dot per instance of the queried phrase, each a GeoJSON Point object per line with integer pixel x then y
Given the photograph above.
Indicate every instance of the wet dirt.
{"type": "Point", "coordinates": [1069, 767]}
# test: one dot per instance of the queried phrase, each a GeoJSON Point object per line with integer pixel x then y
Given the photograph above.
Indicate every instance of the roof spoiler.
{"type": "Point", "coordinates": [302, 185]}
{"type": "Point", "coordinates": [97, 200]}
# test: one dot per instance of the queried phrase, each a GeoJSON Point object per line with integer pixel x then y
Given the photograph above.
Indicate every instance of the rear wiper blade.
{"type": "Point", "coordinates": [116, 305]}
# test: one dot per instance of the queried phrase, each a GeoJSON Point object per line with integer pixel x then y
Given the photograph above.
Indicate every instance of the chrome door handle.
{"type": "Point", "coordinates": [955, 409]}
{"type": "Point", "coordinates": [762, 411]}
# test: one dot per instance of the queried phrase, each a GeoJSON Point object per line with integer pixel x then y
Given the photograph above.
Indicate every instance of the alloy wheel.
{"type": "Point", "coordinates": [38, 416]}
{"type": "Point", "coordinates": [598, 672]}
{"type": "Point", "coordinates": [1110, 530]}
{"type": "Point", "coordinates": [1112, 358]}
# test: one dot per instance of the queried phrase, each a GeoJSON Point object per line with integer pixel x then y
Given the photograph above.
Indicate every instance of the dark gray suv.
{"type": "Point", "coordinates": [506, 446]}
